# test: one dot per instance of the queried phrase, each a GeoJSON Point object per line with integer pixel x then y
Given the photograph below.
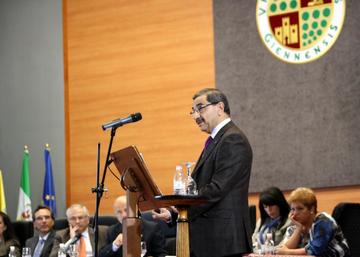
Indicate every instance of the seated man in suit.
{"type": "Point", "coordinates": [78, 218]}
{"type": "Point", "coordinates": [42, 242]}
{"type": "Point", "coordinates": [151, 234]}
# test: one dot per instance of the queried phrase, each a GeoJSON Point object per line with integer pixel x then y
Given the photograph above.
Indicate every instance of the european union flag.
{"type": "Point", "coordinates": [49, 187]}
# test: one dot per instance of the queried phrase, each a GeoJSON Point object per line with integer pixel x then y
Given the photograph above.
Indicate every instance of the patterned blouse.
{"type": "Point", "coordinates": [325, 238]}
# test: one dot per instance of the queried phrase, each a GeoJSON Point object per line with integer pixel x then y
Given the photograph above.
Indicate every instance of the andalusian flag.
{"type": "Point", "coordinates": [2, 194]}
{"type": "Point", "coordinates": [24, 206]}
{"type": "Point", "coordinates": [49, 185]}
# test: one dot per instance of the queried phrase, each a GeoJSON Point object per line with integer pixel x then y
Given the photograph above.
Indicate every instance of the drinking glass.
{"type": "Point", "coordinates": [26, 252]}
{"type": "Point", "coordinates": [143, 248]}
{"type": "Point", "coordinates": [191, 188]}
{"type": "Point", "coordinates": [73, 250]}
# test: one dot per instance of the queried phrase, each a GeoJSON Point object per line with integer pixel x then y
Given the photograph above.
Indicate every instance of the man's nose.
{"type": "Point", "coordinates": [195, 115]}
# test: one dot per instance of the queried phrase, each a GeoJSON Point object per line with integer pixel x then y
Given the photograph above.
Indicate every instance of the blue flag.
{"type": "Point", "coordinates": [49, 187]}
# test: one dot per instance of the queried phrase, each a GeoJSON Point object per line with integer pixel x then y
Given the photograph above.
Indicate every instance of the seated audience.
{"type": "Point", "coordinates": [151, 232]}
{"type": "Point", "coordinates": [312, 233]}
{"type": "Point", "coordinates": [274, 217]}
{"type": "Point", "coordinates": [78, 218]}
{"type": "Point", "coordinates": [7, 236]}
{"type": "Point", "coordinates": [42, 242]}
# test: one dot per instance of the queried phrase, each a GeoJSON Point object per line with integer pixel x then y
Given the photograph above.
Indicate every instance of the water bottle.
{"type": "Point", "coordinates": [179, 181]}
{"type": "Point", "coordinates": [269, 244]}
{"type": "Point", "coordinates": [12, 251]}
{"type": "Point", "coordinates": [61, 252]}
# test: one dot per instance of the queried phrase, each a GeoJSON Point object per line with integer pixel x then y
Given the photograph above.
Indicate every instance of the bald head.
{"type": "Point", "coordinates": [120, 208]}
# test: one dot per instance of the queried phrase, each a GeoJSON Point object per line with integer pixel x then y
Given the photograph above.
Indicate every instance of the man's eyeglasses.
{"type": "Point", "coordinates": [200, 109]}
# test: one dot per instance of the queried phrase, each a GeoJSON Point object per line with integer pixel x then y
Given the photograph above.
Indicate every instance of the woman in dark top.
{"type": "Point", "coordinates": [274, 212]}
{"type": "Point", "coordinates": [7, 236]}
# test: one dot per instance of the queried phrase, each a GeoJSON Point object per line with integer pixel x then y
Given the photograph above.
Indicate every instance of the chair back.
{"type": "Point", "coordinates": [347, 216]}
{"type": "Point", "coordinates": [23, 230]}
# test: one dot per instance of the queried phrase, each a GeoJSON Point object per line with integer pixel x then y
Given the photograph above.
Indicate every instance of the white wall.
{"type": "Point", "coordinates": [31, 95]}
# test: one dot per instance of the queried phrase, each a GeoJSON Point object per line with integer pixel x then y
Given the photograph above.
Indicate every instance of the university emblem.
{"type": "Point", "coordinates": [299, 31]}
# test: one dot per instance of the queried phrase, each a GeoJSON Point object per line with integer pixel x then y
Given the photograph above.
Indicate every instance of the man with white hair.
{"type": "Point", "coordinates": [78, 219]}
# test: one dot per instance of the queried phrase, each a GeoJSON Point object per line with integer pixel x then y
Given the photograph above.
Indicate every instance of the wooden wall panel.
{"type": "Point", "coordinates": [139, 56]}
{"type": "Point", "coordinates": [134, 56]}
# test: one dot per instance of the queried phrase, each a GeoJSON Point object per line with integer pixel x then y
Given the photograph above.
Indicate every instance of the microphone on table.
{"type": "Point", "coordinates": [122, 121]}
{"type": "Point", "coordinates": [71, 241]}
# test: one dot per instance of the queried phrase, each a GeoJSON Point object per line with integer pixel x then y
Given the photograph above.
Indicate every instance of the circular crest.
{"type": "Point", "coordinates": [299, 31]}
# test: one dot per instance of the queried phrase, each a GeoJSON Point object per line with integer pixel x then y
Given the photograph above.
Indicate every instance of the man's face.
{"type": "Point", "coordinates": [120, 209]}
{"type": "Point", "coordinates": [205, 114]}
{"type": "Point", "coordinates": [79, 220]}
{"type": "Point", "coordinates": [43, 221]}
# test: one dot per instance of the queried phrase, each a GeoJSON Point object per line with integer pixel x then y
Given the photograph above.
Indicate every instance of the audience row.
{"type": "Point", "coordinates": [293, 226]}
{"type": "Point", "coordinates": [47, 242]}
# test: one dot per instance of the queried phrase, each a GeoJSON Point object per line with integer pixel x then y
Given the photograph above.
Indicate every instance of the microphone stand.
{"type": "Point", "coordinates": [99, 189]}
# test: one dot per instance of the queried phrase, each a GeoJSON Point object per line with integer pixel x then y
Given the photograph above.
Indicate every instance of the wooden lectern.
{"type": "Point", "coordinates": [182, 203]}
{"type": "Point", "coordinates": [142, 193]}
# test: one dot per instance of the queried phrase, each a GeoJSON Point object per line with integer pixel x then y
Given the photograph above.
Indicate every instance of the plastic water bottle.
{"type": "Point", "coordinates": [269, 244]}
{"type": "Point", "coordinates": [12, 251]}
{"type": "Point", "coordinates": [61, 252]}
{"type": "Point", "coordinates": [179, 181]}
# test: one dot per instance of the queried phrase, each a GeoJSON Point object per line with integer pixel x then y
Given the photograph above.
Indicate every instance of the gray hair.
{"type": "Point", "coordinates": [70, 210]}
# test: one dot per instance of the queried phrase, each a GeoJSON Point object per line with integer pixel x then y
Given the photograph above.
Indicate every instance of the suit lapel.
{"type": "Point", "coordinates": [207, 152]}
{"type": "Point", "coordinates": [34, 243]}
{"type": "Point", "coordinates": [47, 243]}
{"type": "Point", "coordinates": [92, 238]}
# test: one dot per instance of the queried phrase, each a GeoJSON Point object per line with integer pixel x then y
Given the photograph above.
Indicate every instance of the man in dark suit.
{"type": "Point", "coordinates": [151, 235]}
{"type": "Point", "coordinates": [220, 227]}
{"type": "Point", "coordinates": [78, 218]}
{"type": "Point", "coordinates": [43, 241]}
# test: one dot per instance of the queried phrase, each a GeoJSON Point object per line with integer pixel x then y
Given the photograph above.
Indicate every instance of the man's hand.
{"type": "Point", "coordinates": [162, 214]}
{"type": "Point", "coordinates": [73, 230]}
{"type": "Point", "coordinates": [118, 240]}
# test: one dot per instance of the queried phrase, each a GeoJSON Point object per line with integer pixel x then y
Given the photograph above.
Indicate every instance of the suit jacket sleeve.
{"type": "Point", "coordinates": [61, 236]}
{"type": "Point", "coordinates": [106, 250]}
{"type": "Point", "coordinates": [154, 238]}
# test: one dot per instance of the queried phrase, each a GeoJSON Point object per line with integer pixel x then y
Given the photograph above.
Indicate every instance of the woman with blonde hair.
{"type": "Point", "coordinates": [313, 233]}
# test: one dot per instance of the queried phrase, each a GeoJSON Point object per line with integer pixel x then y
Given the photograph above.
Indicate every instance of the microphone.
{"type": "Point", "coordinates": [71, 241]}
{"type": "Point", "coordinates": [119, 122]}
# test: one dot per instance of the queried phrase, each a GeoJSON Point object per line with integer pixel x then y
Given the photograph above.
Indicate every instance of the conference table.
{"type": "Point", "coordinates": [277, 255]}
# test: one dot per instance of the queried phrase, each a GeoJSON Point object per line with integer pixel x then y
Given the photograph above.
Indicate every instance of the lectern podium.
{"type": "Point", "coordinates": [182, 203]}
{"type": "Point", "coordinates": [142, 193]}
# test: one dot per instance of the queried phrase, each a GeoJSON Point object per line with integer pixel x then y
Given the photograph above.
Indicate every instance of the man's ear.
{"type": "Point", "coordinates": [221, 106]}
